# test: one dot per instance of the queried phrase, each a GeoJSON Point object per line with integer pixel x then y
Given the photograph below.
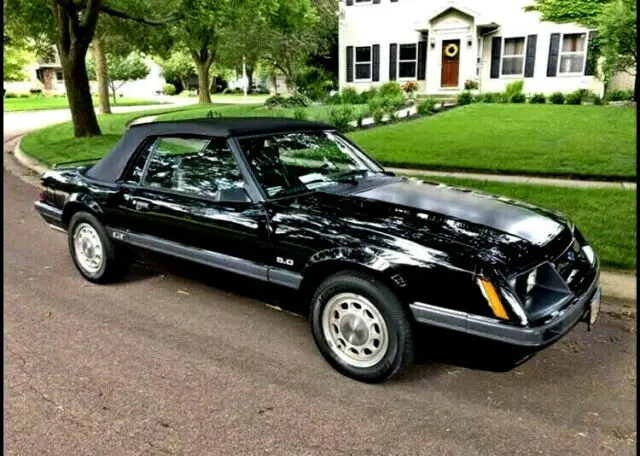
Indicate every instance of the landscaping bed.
{"type": "Point", "coordinates": [606, 217]}
{"type": "Point", "coordinates": [56, 102]}
{"type": "Point", "coordinates": [587, 142]}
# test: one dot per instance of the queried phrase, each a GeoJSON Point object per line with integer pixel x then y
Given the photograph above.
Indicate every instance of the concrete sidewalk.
{"type": "Point", "coordinates": [572, 183]}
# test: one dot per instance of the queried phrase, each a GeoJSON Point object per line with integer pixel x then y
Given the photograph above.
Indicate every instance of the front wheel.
{"type": "Point", "coordinates": [361, 328]}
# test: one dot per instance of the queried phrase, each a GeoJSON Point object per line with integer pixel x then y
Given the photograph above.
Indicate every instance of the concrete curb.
{"type": "Point", "coordinates": [619, 290]}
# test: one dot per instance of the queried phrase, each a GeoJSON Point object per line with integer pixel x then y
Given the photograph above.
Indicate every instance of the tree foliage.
{"type": "Point", "coordinates": [15, 59]}
{"type": "Point", "coordinates": [583, 12]}
{"type": "Point", "coordinates": [617, 37]}
{"type": "Point", "coordinates": [178, 67]}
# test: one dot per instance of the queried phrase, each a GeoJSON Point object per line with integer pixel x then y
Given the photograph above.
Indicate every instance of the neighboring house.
{"type": "Point", "coordinates": [441, 44]}
{"type": "Point", "coordinates": [40, 74]}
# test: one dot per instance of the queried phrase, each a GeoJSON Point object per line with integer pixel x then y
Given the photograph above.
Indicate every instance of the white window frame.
{"type": "Point", "coordinates": [356, 63]}
{"type": "Point", "coordinates": [584, 57]}
{"type": "Point", "coordinates": [502, 56]}
{"type": "Point", "coordinates": [410, 78]}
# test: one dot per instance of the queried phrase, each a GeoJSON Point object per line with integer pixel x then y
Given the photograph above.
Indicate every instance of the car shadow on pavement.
{"type": "Point", "coordinates": [433, 346]}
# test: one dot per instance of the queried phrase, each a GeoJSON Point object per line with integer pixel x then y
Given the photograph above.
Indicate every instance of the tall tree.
{"type": "Point", "coordinates": [618, 39]}
{"type": "Point", "coordinates": [71, 25]}
{"type": "Point", "coordinates": [15, 59]}
{"type": "Point", "coordinates": [583, 12]}
{"type": "Point", "coordinates": [179, 67]}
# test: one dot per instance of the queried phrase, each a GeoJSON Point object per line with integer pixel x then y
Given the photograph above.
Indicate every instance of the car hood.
{"type": "Point", "coordinates": [527, 222]}
{"type": "Point", "coordinates": [460, 222]}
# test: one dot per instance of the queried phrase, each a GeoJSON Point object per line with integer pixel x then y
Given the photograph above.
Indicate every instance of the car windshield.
{"type": "Point", "coordinates": [289, 163]}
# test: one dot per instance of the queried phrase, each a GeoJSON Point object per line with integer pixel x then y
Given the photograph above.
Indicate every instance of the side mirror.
{"type": "Point", "coordinates": [234, 195]}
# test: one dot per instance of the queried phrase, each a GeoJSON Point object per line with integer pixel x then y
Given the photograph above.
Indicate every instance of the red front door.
{"type": "Point", "coordinates": [450, 63]}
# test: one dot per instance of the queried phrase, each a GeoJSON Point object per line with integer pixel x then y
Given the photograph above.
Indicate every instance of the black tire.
{"type": "Point", "coordinates": [113, 267]}
{"type": "Point", "coordinates": [399, 351]}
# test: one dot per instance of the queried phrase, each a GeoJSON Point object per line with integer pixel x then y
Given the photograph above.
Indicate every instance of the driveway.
{"type": "Point", "coordinates": [185, 360]}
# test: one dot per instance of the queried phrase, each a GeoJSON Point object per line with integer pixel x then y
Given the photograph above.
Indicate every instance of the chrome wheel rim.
{"type": "Point", "coordinates": [355, 330]}
{"type": "Point", "coordinates": [88, 248]}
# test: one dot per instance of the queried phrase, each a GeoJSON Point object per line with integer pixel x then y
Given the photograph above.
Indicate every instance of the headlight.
{"type": "Point", "coordinates": [588, 252]}
{"type": "Point", "coordinates": [531, 280]}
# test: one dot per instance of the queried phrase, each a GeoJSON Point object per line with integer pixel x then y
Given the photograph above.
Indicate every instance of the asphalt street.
{"type": "Point", "coordinates": [192, 362]}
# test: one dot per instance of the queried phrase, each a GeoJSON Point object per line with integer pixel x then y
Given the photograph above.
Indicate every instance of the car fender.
{"type": "Point", "coordinates": [78, 202]}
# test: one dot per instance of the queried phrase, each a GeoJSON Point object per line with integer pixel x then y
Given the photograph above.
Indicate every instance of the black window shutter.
{"type": "Point", "coordinates": [376, 1]}
{"type": "Point", "coordinates": [593, 52]}
{"type": "Point", "coordinates": [530, 58]}
{"type": "Point", "coordinates": [554, 49]}
{"type": "Point", "coordinates": [496, 45]}
{"type": "Point", "coordinates": [349, 2]}
{"type": "Point", "coordinates": [349, 63]}
{"type": "Point", "coordinates": [375, 62]}
{"type": "Point", "coordinates": [393, 1]}
{"type": "Point", "coordinates": [393, 61]}
{"type": "Point", "coordinates": [422, 60]}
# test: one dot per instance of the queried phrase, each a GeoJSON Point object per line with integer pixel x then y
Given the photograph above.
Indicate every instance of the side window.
{"type": "Point", "coordinates": [202, 167]}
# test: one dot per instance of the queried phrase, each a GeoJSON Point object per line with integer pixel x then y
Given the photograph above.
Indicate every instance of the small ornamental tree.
{"type": "Point", "coordinates": [121, 70]}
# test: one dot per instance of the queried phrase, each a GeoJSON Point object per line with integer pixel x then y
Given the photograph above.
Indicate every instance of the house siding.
{"type": "Point", "coordinates": [400, 22]}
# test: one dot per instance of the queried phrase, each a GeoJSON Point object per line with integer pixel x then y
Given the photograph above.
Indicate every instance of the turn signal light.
{"type": "Point", "coordinates": [42, 194]}
{"type": "Point", "coordinates": [492, 296]}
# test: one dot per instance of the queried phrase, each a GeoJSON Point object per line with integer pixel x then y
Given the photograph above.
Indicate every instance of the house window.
{"type": "Point", "coordinates": [363, 62]}
{"type": "Point", "coordinates": [407, 61]}
{"type": "Point", "coordinates": [59, 75]}
{"type": "Point", "coordinates": [573, 53]}
{"type": "Point", "coordinates": [363, 1]}
{"type": "Point", "coordinates": [513, 56]}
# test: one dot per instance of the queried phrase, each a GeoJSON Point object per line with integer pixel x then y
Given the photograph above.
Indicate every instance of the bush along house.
{"type": "Point", "coordinates": [442, 44]}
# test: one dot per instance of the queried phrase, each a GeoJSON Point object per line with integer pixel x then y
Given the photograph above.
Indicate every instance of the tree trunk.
{"type": "Point", "coordinates": [102, 75]}
{"type": "Point", "coordinates": [83, 115]}
{"type": "Point", "coordinates": [113, 92]}
{"type": "Point", "coordinates": [203, 83]}
{"type": "Point", "coordinates": [249, 69]}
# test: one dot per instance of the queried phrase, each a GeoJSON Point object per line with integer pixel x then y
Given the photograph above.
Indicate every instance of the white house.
{"type": "Point", "coordinates": [441, 44]}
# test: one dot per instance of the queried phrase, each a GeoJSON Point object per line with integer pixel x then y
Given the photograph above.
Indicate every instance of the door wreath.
{"type": "Point", "coordinates": [451, 50]}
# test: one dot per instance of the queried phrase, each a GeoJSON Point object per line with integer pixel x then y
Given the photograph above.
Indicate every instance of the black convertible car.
{"type": "Point", "coordinates": [375, 257]}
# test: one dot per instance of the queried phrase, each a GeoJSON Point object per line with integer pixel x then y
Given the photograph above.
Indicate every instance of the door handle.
{"type": "Point", "coordinates": [141, 205]}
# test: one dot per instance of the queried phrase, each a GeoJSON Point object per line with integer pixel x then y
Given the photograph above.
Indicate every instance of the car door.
{"type": "Point", "coordinates": [186, 196]}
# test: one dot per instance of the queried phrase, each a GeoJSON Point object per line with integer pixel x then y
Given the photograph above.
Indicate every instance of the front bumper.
{"type": "Point", "coordinates": [535, 337]}
{"type": "Point", "coordinates": [51, 214]}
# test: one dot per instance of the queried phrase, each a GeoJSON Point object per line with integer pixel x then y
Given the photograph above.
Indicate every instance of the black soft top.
{"type": "Point", "coordinates": [111, 166]}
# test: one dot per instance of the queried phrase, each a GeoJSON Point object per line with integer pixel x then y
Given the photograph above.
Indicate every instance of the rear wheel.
{"type": "Point", "coordinates": [361, 328]}
{"type": "Point", "coordinates": [93, 253]}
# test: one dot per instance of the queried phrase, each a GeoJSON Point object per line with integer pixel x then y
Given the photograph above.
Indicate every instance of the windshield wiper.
{"type": "Point", "coordinates": [350, 176]}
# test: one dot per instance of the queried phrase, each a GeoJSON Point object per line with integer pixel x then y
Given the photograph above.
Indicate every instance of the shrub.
{"type": "Point", "coordinates": [465, 98]}
{"type": "Point", "coordinates": [518, 98]}
{"type": "Point", "coordinates": [237, 91]}
{"type": "Point", "coordinates": [297, 100]}
{"type": "Point", "coordinates": [410, 87]}
{"type": "Point", "coordinates": [35, 91]}
{"type": "Point", "coordinates": [470, 84]}
{"type": "Point", "coordinates": [314, 82]}
{"type": "Point", "coordinates": [377, 115]}
{"type": "Point", "coordinates": [340, 117]}
{"type": "Point", "coordinates": [619, 95]}
{"type": "Point", "coordinates": [557, 98]}
{"type": "Point", "coordinates": [26, 95]}
{"type": "Point", "coordinates": [227, 91]}
{"type": "Point", "coordinates": [390, 89]}
{"type": "Point", "coordinates": [491, 97]}
{"type": "Point", "coordinates": [427, 106]}
{"type": "Point", "coordinates": [368, 95]}
{"type": "Point", "coordinates": [598, 101]}
{"type": "Point", "coordinates": [334, 99]}
{"type": "Point", "coordinates": [350, 96]}
{"type": "Point", "coordinates": [274, 101]}
{"type": "Point", "coordinates": [300, 113]}
{"type": "Point", "coordinates": [213, 114]}
{"type": "Point", "coordinates": [168, 89]}
{"type": "Point", "coordinates": [10, 95]}
{"type": "Point", "coordinates": [513, 88]}
{"type": "Point", "coordinates": [574, 98]}
{"type": "Point", "coordinates": [538, 98]}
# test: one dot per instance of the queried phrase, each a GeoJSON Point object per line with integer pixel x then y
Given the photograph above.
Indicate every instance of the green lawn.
{"type": "Point", "coordinates": [594, 141]}
{"type": "Point", "coordinates": [606, 217]}
{"type": "Point", "coordinates": [47, 102]}
{"type": "Point", "coordinates": [318, 113]}
{"type": "Point", "coordinates": [56, 144]}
